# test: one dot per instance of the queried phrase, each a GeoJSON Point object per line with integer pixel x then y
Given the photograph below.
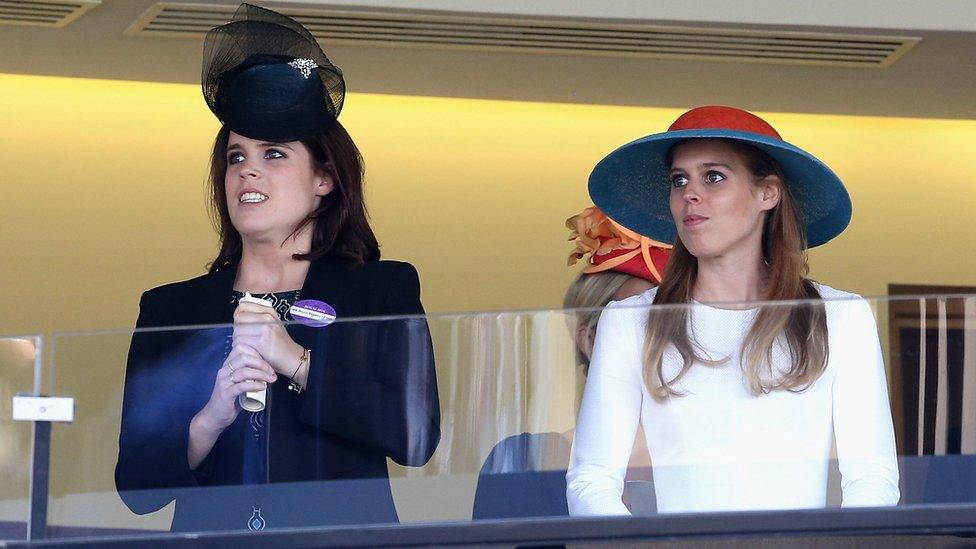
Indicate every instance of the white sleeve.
{"type": "Point", "coordinates": [861, 412]}
{"type": "Point", "coordinates": [609, 416]}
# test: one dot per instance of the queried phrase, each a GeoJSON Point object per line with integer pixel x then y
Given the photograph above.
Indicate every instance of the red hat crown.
{"type": "Point", "coordinates": [715, 117]}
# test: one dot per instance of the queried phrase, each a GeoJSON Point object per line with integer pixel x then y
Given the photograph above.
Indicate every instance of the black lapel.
{"type": "Point", "coordinates": [214, 305]}
{"type": "Point", "coordinates": [324, 282]}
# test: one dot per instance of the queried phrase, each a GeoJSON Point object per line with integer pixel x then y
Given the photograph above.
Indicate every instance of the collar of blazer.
{"type": "Point", "coordinates": [215, 301]}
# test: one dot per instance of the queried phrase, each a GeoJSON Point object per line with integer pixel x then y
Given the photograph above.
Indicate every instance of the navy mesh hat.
{"type": "Point", "coordinates": [633, 184]}
{"type": "Point", "coordinates": [265, 77]}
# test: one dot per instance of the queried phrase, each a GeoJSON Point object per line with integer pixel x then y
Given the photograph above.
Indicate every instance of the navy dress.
{"type": "Point", "coordinates": [254, 464]}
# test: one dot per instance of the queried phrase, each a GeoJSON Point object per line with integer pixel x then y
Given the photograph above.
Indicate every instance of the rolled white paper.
{"type": "Point", "coordinates": [253, 401]}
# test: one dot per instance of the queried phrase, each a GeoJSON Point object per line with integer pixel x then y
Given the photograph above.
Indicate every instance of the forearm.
{"type": "Point", "coordinates": [300, 376]}
{"type": "Point", "coordinates": [202, 438]}
{"type": "Point", "coordinates": [863, 429]}
{"type": "Point", "coordinates": [608, 420]}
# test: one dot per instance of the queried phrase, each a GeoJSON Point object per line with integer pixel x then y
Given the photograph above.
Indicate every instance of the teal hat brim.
{"type": "Point", "coordinates": [632, 184]}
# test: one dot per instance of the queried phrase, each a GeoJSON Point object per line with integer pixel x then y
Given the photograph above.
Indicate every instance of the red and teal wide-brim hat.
{"type": "Point", "coordinates": [632, 184]}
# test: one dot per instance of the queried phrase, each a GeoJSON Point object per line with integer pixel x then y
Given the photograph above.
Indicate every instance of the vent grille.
{"type": "Point", "coordinates": [43, 13]}
{"type": "Point", "coordinates": [544, 36]}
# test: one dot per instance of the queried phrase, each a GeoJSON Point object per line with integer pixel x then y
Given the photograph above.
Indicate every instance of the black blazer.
{"type": "Point", "coordinates": [372, 394]}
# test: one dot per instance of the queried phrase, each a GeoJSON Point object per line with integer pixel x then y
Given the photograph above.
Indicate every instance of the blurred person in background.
{"type": "Point", "coordinates": [525, 474]}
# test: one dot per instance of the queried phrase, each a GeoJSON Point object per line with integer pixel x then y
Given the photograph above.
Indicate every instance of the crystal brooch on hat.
{"type": "Point", "coordinates": [305, 66]}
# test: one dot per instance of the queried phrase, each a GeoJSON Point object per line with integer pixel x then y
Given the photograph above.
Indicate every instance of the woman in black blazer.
{"type": "Point", "coordinates": [287, 197]}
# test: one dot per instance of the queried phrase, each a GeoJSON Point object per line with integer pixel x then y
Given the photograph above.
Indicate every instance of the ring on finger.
{"type": "Point", "coordinates": [231, 367]}
{"type": "Point", "coordinates": [231, 377]}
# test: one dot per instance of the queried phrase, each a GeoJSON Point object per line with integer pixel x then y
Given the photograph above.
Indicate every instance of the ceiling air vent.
{"type": "Point", "coordinates": [562, 37]}
{"type": "Point", "coordinates": [44, 13]}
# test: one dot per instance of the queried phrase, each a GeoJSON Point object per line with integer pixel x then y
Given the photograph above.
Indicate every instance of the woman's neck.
{"type": "Point", "coordinates": [270, 267]}
{"type": "Point", "coordinates": [730, 279]}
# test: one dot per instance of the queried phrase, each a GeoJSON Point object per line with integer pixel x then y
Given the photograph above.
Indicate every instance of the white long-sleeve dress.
{"type": "Point", "coordinates": [721, 448]}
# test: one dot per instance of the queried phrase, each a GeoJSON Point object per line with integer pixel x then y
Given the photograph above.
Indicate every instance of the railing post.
{"type": "Point", "coordinates": [40, 411]}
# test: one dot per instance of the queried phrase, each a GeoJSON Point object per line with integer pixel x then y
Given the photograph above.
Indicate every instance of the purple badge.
{"type": "Point", "coordinates": [313, 312]}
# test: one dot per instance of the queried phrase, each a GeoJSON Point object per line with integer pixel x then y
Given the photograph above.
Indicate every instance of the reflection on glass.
{"type": "Point", "coordinates": [504, 374]}
{"type": "Point", "coordinates": [525, 474]}
{"type": "Point", "coordinates": [718, 444]}
{"type": "Point", "coordinates": [312, 457]}
{"type": "Point", "coordinates": [17, 363]}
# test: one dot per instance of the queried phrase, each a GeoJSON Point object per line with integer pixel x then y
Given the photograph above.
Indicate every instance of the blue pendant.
{"type": "Point", "coordinates": [256, 522]}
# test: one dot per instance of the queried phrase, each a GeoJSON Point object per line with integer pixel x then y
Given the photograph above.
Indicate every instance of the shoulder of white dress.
{"type": "Point", "coordinates": [639, 300]}
{"type": "Point", "coordinates": [845, 307]}
{"type": "Point", "coordinates": [631, 311]}
{"type": "Point", "coordinates": [827, 292]}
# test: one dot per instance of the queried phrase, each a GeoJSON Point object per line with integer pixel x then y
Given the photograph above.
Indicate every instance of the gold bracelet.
{"type": "Point", "coordinates": [292, 384]}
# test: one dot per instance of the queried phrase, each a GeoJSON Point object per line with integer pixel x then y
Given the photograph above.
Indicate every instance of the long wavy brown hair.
{"type": "Point", "coordinates": [802, 327]}
{"type": "Point", "coordinates": [340, 225]}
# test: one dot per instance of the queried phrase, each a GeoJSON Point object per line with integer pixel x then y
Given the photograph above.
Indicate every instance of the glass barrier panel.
{"type": "Point", "coordinates": [650, 409]}
{"type": "Point", "coordinates": [932, 345]}
{"type": "Point", "coordinates": [82, 498]}
{"type": "Point", "coordinates": [17, 371]}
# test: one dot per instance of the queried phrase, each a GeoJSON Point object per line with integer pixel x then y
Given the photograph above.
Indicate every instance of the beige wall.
{"type": "Point", "coordinates": [103, 195]}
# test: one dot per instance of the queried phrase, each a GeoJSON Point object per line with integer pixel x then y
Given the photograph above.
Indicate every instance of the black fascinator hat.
{"type": "Point", "coordinates": [265, 77]}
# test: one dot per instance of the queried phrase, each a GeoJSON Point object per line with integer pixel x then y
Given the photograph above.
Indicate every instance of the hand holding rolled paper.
{"type": "Point", "coordinates": [257, 325]}
{"type": "Point", "coordinates": [242, 371]}
{"type": "Point", "coordinates": [254, 401]}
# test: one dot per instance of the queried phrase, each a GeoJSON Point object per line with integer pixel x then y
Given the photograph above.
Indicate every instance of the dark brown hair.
{"type": "Point", "coordinates": [804, 326]}
{"type": "Point", "coordinates": [340, 225]}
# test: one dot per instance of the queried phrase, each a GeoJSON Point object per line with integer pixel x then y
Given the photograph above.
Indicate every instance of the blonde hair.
{"type": "Point", "coordinates": [592, 291]}
{"type": "Point", "coordinates": [803, 326]}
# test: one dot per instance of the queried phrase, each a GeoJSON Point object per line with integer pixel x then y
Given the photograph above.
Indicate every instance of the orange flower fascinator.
{"type": "Point", "coordinates": [614, 247]}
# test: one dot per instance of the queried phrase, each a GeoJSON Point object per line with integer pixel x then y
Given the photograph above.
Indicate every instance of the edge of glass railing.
{"type": "Point", "coordinates": [910, 526]}
{"type": "Point", "coordinates": [450, 315]}
{"type": "Point", "coordinates": [21, 357]}
{"type": "Point", "coordinates": [448, 318]}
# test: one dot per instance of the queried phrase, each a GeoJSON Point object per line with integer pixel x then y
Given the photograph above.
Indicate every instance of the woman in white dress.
{"type": "Point", "coordinates": [742, 406]}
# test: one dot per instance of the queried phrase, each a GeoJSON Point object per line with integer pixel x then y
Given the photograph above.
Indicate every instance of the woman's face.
{"type": "Point", "coordinates": [271, 188]}
{"type": "Point", "coordinates": [718, 205]}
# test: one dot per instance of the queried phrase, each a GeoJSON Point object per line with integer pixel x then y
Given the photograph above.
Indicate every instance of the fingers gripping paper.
{"type": "Point", "coordinates": [253, 401]}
